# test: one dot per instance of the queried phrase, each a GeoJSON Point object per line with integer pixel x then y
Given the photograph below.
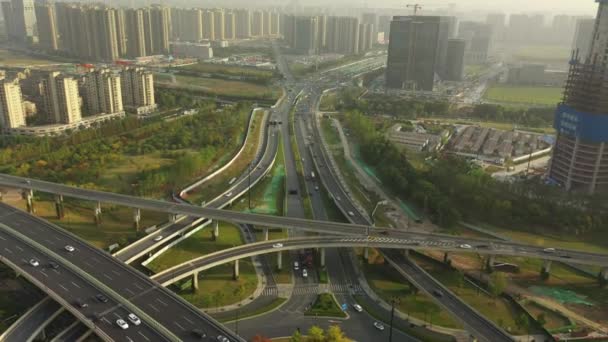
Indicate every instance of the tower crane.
{"type": "Point", "coordinates": [415, 7]}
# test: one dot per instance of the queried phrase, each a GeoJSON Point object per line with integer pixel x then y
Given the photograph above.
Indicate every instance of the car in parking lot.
{"type": "Point", "coordinates": [122, 324]}
{"type": "Point", "coordinates": [379, 326]}
{"type": "Point", "coordinates": [101, 298]}
{"type": "Point", "coordinates": [134, 319]}
{"type": "Point", "coordinates": [34, 262]}
{"type": "Point", "coordinates": [357, 308]}
{"type": "Point", "coordinates": [69, 248]}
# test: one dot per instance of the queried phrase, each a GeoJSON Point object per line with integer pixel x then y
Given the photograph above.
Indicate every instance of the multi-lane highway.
{"type": "Point", "coordinates": [166, 311]}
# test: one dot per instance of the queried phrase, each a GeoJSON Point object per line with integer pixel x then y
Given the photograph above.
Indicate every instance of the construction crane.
{"type": "Point", "coordinates": [416, 7]}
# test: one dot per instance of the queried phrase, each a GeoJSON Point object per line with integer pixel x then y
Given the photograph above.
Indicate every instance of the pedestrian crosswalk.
{"type": "Point", "coordinates": [337, 288]}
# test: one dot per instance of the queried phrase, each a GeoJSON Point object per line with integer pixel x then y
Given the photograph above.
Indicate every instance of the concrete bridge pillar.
{"type": "Point", "coordinates": [136, 218]}
{"type": "Point", "coordinates": [195, 281]}
{"type": "Point", "coordinates": [98, 213]}
{"type": "Point", "coordinates": [603, 277]}
{"type": "Point", "coordinates": [490, 261]}
{"type": "Point", "coordinates": [447, 258]}
{"type": "Point", "coordinates": [235, 273]}
{"type": "Point", "coordinates": [216, 230]}
{"type": "Point", "coordinates": [59, 209]}
{"type": "Point", "coordinates": [172, 218]}
{"type": "Point", "coordinates": [280, 261]}
{"type": "Point", "coordinates": [266, 234]}
{"type": "Point", "coordinates": [366, 253]}
{"type": "Point", "coordinates": [322, 257]}
{"type": "Point", "coordinates": [545, 270]}
{"type": "Point", "coordinates": [29, 200]}
{"type": "Point", "coordinates": [405, 252]}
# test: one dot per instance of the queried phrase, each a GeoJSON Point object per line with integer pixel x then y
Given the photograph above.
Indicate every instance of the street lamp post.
{"type": "Point", "coordinates": [249, 185]}
{"type": "Point", "coordinates": [390, 330]}
{"type": "Point", "coordinates": [376, 208]}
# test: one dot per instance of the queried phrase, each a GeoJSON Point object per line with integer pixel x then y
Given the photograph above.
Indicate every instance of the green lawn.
{"type": "Point", "coordinates": [12, 58]}
{"type": "Point", "coordinates": [389, 284]}
{"type": "Point", "coordinates": [328, 102]}
{"type": "Point", "coordinates": [229, 88]}
{"type": "Point", "coordinates": [216, 285]}
{"type": "Point", "coordinates": [546, 96]}
{"type": "Point", "coordinates": [553, 320]}
{"type": "Point", "coordinates": [546, 53]}
{"type": "Point", "coordinates": [325, 306]}
{"type": "Point", "coordinates": [233, 70]}
{"type": "Point", "coordinates": [498, 310]}
{"type": "Point", "coordinates": [219, 184]}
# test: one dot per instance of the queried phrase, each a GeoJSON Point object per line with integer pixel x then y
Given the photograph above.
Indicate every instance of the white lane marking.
{"type": "Point", "coordinates": [153, 307]}
{"type": "Point", "coordinates": [138, 286]}
{"type": "Point", "coordinates": [57, 238]}
{"type": "Point", "coordinates": [116, 272]}
{"type": "Point", "coordinates": [107, 276]}
{"type": "Point", "coordinates": [19, 248]}
{"type": "Point", "coordinates": [44, 274]}
{"type": "Point", "coordinates": [73, 283]}
{"type": "Point", "coordinates": [160, 301]}
{"type": "Point", "coordinates": [131, 292]}
{"type": "Point", "coordinates": [3, 239]}
{"type": "Point", "coordinates": [106, 320]}
{"type": "Point", "coordinates": [8, 250]}
{"type": "Point", "coordinates": [144, 336]}
{"type": "Point", "coordinates": [88, 263]}
{"type": "Point", "coordinates": [116, 315]}
{"type": "Point", "coordinates": [188, 319]}
{"type": "Point", "coordinates": [63, 287]}
{"type": "Point", "coordinates": [50, 241]}
{"type": "Point", "coordinates": [179, 326]}
{"type": "Point", "coordinates": [96, 260]}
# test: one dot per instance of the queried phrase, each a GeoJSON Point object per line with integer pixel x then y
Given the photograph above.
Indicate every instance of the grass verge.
{"type": "Point", "coordinates": [325, 306]}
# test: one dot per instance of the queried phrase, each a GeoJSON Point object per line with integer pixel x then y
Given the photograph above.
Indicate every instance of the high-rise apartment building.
{"type": "Point", "coordinates": [12, 114]}
{"type": "Point", "coordinates": [229, 25]}
{"type": "Point", "coordinates": [159, 27]}
{"type": "Point", "coordinates": [190, 27]}
{"type": "Point", "coordinates": [497, 21]}
{"type": "Point", "coordinates": [372, 19]}
{"type": "Point", "coordinates": [343, 35]}
{"type": "Point", "coordinates": [478, 37]}
{"type": "Point", "coordinates": [257, 23]}
{"type": "Point", "coordinates": [61, 98]}
{"type": "Point", "coordinates": [209, 25]}
{"type": "Point", "coordinates": [102, 92]}
{"type": "Point", "coordinates": [136, 32]}
{"type": "Point", "coordinates": [46, 18]}
{"type": "Point", "coordinates": [583, 36]}
{"type": "Point", "coordinates": [580, 156]}
{"type": "Point", "coordinates": [122, 37]}
{"type": "Point", "coordinates": [455, 60]}
{"type": "Point", "coordinates": [137, 90]}
{"type": "Point", "coordinates": [417, 52]}
{"type": "Point", "coordinates": [306, 35]}
{"type": "Point", "coordinates": [20, 20]}
{"type": "Point", "coordinates": [243, 23]}
{"type": "Point", "coordinates": [219, 21]}
{"type": "Point", "coordinates": [275, 24]}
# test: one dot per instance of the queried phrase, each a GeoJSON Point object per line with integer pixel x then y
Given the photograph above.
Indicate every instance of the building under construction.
{"type": "Point", "coordinates": [580, 159]}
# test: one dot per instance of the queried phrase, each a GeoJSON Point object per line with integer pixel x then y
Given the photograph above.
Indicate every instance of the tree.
{"type": "Point", "coordinates": [498, 284]}
{"type": "Point", "coordinates": [522, 322]}
{"type": "Point", "coordinates": [541, 319]}
{"type": "Point", "coordinates": [315, 334]}
{"type": "Point", "coordinates": [335, 334]}
{"type": "Point", "coordinates": [296, 337]}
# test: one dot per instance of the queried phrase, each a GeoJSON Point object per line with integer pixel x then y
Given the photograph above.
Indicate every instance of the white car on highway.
{"type": "Point", "coordinates": [466, 246]}
{"type": "Point", "coordinates": [158, 238]}
{"type": "Point", "coordinates": [34, 262]}
{"type": "Point", "coordinates": [134, 319]}
{"type": "Point", "coordinates": [351, 213]}
{"type": "Point", "coordinates": [357, 308]}
{"type": "Point", "coordinates": [304, 273]}
{"type": "Point", "coordinates": [549, 250]}
{"type": "Point", "coordinates": [277, 245]}
{"type": "Point", "coordinates": [379, 326]}
{"type": "Point", "coordinates": [69, 248]}
{"type": "Point", "coordinates": [122, 324]}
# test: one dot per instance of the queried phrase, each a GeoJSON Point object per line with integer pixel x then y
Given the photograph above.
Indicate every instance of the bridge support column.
{"type": "Point", "coordinates": [490, 261]}
{"type": "Point", "coordinates": [405, 252]}
{"type": "Point", "coordinates": [172, 218]}
{"type": "Point", "coordinates": [59, 207]}
{"type": "Point", "coordinates": [98, 213]}
{"type": "Point", "coordinates": [195, 281]}
{"type": "Point", "coordinates": [136, 218]}
{"type": "Point", "coordinates": [235, 273]}
{"type": "Point", "coordinates": [216, 230]}
{"type": "Point", "coordinates": [603, 277]}
{"type": "Point", "coordinates": [366, 253]}
{"type": "Point", "coordinates": [29, 199]}
{"type": "Point", "coordinates": [279, 260]}
{"type": "Point", "coordinates": [545, 270]}
{"type": "Point", "coordinates": [266, 234]}
{"type": "Point", "coordinates": [322, 257]}
{"type": "Point", "coordinates": [447, 258]}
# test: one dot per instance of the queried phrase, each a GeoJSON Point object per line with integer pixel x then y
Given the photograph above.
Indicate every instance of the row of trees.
{"type": "Point", "coordinates": [453, 189]}
{"type": "Point", "coordinates": [191, 144]}
{"type": "Point", "coordinates": [349, 99]}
